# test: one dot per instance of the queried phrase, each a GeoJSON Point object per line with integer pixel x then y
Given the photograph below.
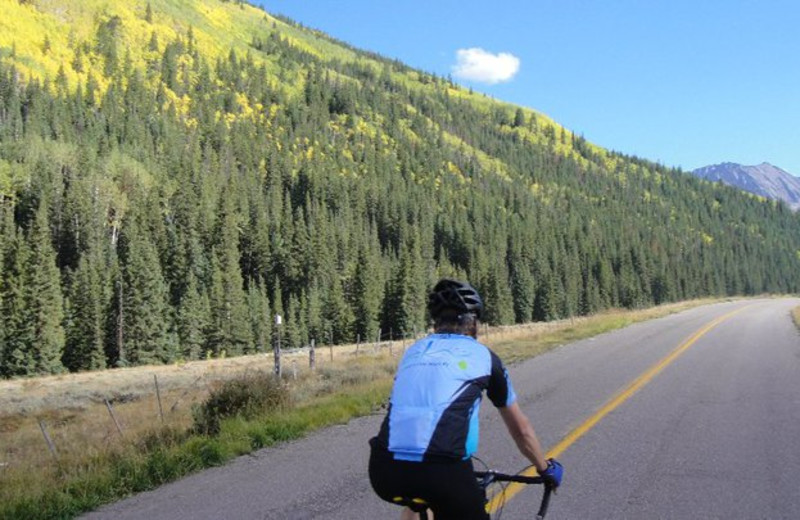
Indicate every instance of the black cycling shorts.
{"type": "Point", "coordinates": [450, 488]}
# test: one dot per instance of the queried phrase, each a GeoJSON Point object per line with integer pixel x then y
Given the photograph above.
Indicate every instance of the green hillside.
{"type": "Point", "coordinates": [174, 173]}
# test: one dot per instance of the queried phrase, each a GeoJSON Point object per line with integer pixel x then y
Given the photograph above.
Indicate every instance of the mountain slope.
{"type": "Point", "coordinates": [194, 167]}
{"type": "Point", "coordinates": [763, 179]}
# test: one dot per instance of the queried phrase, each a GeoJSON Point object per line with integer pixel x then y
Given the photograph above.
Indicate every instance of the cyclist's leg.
{"type": "Point", "coordinates": [389, 479]}
{"type": "Point", "coordinates": [408, 514]}
{"type": "Point", "coordinates": [450, 487]}
{"type": "Point", "coordinates": [460, 498]}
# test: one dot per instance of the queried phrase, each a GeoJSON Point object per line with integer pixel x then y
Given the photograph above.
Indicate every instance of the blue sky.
{"type": "Point", "coordinates": [685, 83]}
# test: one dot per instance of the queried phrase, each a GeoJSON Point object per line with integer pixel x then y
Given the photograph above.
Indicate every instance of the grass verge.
{"type": "Point", "coordinates": [93, 472]}
{"type": "Point", "coordinates": [796, 317]}
{"type": "Point", "coordinates": [166, 455]}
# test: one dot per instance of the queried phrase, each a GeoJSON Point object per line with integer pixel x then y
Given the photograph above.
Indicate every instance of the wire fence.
{"type": "Point", "coordinates": [93, 409]}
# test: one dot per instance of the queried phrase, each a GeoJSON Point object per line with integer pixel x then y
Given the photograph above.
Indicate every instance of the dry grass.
{"type": "Point", "coordinates": [519, 342]}
{"type": "Point", "coordinates": [29, 396]}
{"type": "Point", "coordinates": [74, 411]}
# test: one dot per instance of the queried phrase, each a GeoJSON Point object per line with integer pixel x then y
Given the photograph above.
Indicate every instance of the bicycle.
{"type": "Point", "coordinates": [485, 479]}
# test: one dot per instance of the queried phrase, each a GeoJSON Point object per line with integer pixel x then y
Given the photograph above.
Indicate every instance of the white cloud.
{"type": "Point", "coordinates": [476, 64]}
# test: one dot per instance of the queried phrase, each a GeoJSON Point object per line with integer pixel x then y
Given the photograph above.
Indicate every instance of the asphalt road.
{"type": "Point", "coordinates": [711, 433]}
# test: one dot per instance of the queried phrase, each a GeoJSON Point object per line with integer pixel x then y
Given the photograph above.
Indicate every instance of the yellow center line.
{"type": "Point", "coordinates": [501, 498]}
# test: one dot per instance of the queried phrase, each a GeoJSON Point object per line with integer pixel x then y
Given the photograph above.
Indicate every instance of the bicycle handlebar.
{"type": "Point", "coordinates": [487, 477]}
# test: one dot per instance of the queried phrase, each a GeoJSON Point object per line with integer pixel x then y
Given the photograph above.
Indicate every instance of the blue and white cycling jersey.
{"type": "Point", "coordinates": [433, 411]}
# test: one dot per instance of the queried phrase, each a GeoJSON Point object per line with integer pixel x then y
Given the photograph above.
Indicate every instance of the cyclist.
{"type": "Point", "coordinates": [430, 431]}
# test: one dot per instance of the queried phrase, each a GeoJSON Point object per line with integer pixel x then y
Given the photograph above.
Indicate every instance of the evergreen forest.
{"type": "Point", "coordinates": [169, 183]}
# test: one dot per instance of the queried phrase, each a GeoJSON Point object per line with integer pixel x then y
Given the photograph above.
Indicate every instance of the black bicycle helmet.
{"type": "Point", "coordinates": [454, 295]}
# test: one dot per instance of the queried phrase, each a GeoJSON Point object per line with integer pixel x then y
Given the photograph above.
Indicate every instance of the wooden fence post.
{"type": "Point", "coordinates": [48, 440]}
{"type": "Point", "coordinates": [114, 418]}
{"type": "Point", "coordinates": [278, 367]}
{"type": "Point", "coordinates": [158, 395]}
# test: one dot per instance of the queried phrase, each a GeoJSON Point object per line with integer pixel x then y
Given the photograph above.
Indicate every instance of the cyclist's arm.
{"type": "Point", "coordinates": [523, 434]}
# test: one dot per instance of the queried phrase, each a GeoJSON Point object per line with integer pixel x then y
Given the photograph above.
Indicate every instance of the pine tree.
{"type": "Point", "coordinates": [295, 333]}
{"type": "Point", "coordinates": [230, 323]}
{"type": "Point", "coordinates": [523, 287]}
{"type": "Point", "coordinates": [145, 315]}
{"type": "Point", "coordinates": [548, 293]}
{"type": "Point", "coordinates": [314, 313]}
{"type": "Point", "coordinates": [45, 301]}
{"type": "Point", "coordinates": [107, 43]}
{"type": "Point", "coordinates": [337, 313]}
{"type": "Point", "coordinates": [499, 299]}
{"type": "Point", "coordinates": [367, 295]}
{"type": "Point", "coordinates": [404, 303]}
{"type": "Point", "coordinates": [6, 237]}
{"type": "Point", "coordinates": [519, 118]}
{"type": "Point", "coordinates": [18, 359]}
{"type": "Point", "coordinates": [85, 332]}
{"type": "Point", "coordinates": [278, 310]}
{"type": "Point", "coordinates": [230, 331]}
{"type": "Point", "coordinates": [260, 315]}
{"type": "Point", "coordinates": [572, 284]}
{"type": "Point", "coordinates": [192, 319]}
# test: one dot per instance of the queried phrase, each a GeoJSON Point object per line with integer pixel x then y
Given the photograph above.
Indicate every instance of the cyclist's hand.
{"type": "Point", "coordinates": [553, 474]}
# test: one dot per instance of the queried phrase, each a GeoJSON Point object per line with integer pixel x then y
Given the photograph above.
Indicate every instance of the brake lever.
{"type": "Point", "coordinates": [545, 501]}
